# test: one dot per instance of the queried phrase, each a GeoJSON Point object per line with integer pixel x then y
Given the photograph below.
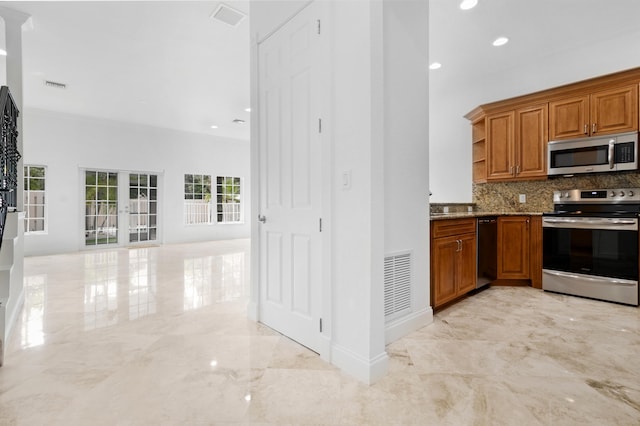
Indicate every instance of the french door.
{"type": "Point", "coordinates": [120, 208]}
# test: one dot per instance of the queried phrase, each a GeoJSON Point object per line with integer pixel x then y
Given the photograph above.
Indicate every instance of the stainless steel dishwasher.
{"type": "Point", "coordinates": [487, 262]}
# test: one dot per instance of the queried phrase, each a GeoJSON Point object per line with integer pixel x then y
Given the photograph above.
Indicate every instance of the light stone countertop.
{"type": "Point", "coordinates": [462, 215]}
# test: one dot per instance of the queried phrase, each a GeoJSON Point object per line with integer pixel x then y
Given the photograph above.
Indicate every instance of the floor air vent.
{"type": "Point", "coordinates": [397, 284]}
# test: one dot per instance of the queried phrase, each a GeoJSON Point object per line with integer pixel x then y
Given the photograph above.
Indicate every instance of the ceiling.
{"type": "Point", "coordinates": [165, 64]}
{"type": "Point", "coordinates": [537, 29]}
{"type": "Point", "coordinates": [168, 64]}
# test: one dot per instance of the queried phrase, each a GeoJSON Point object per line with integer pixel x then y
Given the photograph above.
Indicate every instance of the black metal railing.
{"type": "Point", "coordinates": [9, 156]}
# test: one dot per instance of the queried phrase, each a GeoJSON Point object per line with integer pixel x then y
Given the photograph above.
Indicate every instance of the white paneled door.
{"type": "Point", "coordinates": [290, 179]}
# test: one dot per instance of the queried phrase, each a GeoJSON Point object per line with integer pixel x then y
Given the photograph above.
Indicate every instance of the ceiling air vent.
{"type": "Point", "coordinates": [238, 121]}
{"type": "Point", "coordinates": [55, 84]}
{"type": "Point", "coordinates": [228, 15]}
{"type": "Point", "coordinates": [397, 285]}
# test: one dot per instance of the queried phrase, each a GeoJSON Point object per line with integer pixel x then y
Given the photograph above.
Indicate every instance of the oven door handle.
{"type": "Point", "coordinates": [626, 283]}
{"type": "Point", "coordinates": [591, 223]}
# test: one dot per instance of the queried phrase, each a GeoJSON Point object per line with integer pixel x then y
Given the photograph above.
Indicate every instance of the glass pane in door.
{"type": "Point", "coordinates": [101, 208]}
{"type": "Point", "coordinates": [143, 208]}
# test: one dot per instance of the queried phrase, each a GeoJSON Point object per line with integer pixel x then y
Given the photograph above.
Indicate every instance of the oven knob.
{"type": "Point", "coordinates": [630, 193]}
{"type": "Point", "coordinates": [622, 193]}
{"type": "Point", "coordinates": [566, 195]}
{"type": "Point", "coordinates": [613, 194]}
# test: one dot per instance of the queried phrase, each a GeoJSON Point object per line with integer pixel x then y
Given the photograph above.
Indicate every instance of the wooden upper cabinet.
{"type": "Point", "coordinates": [517, 144]}
{"type": "Point", "coordinates": [569, 118]}
{"type": "Point", "coordinates": [531, 142]}
{"type": "Point", "coordinates": [500, 145]}
{"type": "Point", "coordinates": [614, 111]}
{"type": "Point", "coordinates": [608, 111]}
{"type": "Point", "coordinates": [510, 137]}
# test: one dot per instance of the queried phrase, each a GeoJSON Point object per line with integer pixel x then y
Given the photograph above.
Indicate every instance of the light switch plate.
{"type": "Point", "coordinates": [523, 198]}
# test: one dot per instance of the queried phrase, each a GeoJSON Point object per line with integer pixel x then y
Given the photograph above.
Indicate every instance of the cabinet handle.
{"type": "Point", "coordinates": [594, 128]}
{"type": "Point", "coordinates": [518, 169]}
{"type": "Point", "coordinates": [586, 129]}
{"type": "Point", "coordinates": [510, 170]}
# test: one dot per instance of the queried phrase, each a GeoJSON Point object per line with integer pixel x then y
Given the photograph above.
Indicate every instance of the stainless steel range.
{"type": "Point", "coordinates": [590, 244]}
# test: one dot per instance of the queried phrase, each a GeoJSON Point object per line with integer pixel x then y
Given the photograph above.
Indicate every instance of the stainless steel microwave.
{"type": "Point", "coordinates": [610, 153]}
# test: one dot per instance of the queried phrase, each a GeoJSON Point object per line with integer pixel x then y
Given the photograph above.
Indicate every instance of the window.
{"type": "Point", "coordinates": [228, 202]}
{"type": "Point", "coordinates": [197, 199]}
{"type": "Point", "coordinates": [34, 180]}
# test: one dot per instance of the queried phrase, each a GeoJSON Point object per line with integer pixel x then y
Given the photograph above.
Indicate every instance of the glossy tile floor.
{"type": "Point", "coordinates": [159, 336]}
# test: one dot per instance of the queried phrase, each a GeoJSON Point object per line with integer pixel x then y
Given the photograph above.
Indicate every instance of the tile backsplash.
{"type": "Point", "coordinates": [504, 196]}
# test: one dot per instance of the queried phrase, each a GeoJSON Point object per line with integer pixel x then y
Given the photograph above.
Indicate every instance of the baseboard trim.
{"type": "Point", "coordinates": [13, 317]}
{"type": "Point", "coordinates": [363, 369]}
{"type": "Point", "coordinates": [400, 327]}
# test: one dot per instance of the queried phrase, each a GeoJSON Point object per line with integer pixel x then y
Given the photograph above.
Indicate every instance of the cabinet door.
{"type": "Point", "coordinates": [467, 264]}
{"type": "Point", "coordinates": [569, 118]}
{"type": "Point", "coordinates": [531, 142]}
{"type": "Point", "coordinates": [500, 146]}
{"type": "Point", "coordinates": [513, 247]}
{"type": "Point", "coordinates": [614, 110]}
{"type": "Point", "coordinates": [444, 255]}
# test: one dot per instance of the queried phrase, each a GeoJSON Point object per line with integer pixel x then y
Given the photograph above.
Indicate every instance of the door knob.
{"type": "Point", "coordinates": [262, 219]}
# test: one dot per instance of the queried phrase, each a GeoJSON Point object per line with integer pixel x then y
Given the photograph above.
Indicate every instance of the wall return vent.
{"type": "Point", "coordinates": [228, 15]}
{"type": "Point", "coordinates": [397, 285]}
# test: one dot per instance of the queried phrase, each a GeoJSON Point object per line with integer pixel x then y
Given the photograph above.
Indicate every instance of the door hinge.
{"type": "Point", "coordinates": [320, 325]}
{"type": "Point", "coordinates": [320, 224]}
{"type": "Point", "coordinates": [318, 26]}
{"type": "Point", "coordinates": [319, 125]}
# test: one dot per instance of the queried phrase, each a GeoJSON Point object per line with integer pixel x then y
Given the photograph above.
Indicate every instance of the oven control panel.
{"type": "Point", "coordinates": [596, 196]}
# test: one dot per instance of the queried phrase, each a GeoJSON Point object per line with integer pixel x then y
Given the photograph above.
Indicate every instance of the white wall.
{"type": "Point", "coordinates": [450, 133]}
{"type": "Point", "coordinates": [378, 85]}
{"type": "Point", "coordinates": [357, 216]}
{"type": "Point", "coordinates": [406, 150]}
{"type": "Point", "coordinates": [66, 143]}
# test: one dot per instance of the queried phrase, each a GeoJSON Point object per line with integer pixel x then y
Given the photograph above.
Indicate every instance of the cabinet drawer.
{"type": "Point", "coordinates": [449, 227]}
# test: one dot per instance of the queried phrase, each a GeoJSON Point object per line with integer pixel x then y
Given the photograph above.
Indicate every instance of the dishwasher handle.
{"type": "Point", "coordinates": [484, 221]}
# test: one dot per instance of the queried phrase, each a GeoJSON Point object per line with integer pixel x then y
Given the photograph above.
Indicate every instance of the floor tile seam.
{"type": "Point", "coordinates": [420, 341]}
{"type": "Point", "coordinates": [505, 377]}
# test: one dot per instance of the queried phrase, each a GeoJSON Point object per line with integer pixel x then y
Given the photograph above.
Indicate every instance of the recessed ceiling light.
{"type": "Point", "coordinates": [214, 127]}
{"type": "Point", "coordinates": [3, 52]}
{"type": "Point", "coordinates": [247, 109]}
{"type": "Point", "coordinates": [500, 41]}
{"type": "Point", "coordinates": [468, 4]}
{"type": "Point", "coordinates": [435, 65]}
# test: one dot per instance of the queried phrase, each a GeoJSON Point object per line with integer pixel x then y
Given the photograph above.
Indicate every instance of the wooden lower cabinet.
{"type": "Point", "coordinates": [453, 259]}
{"type": "Point", "coordinates": [513, 247]}
{"type": "Point", "coordinates": [454, 255]}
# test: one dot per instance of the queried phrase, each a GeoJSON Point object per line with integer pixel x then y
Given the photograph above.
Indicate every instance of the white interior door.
{"type": "Point", "coordinates": [290, 180]}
